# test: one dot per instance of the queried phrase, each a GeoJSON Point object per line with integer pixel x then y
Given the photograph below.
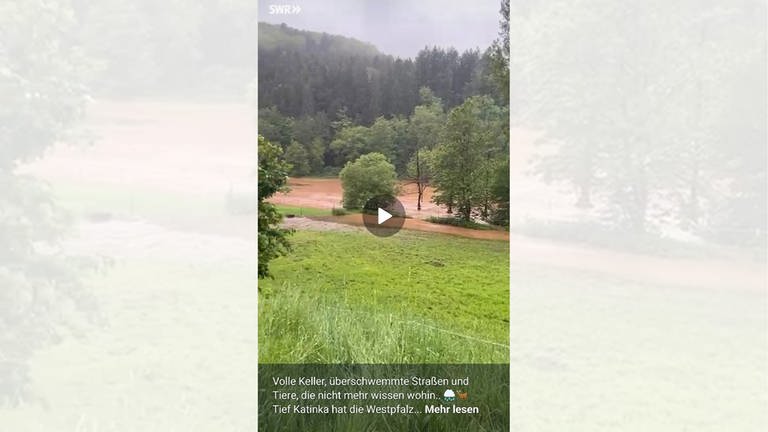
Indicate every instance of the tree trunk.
{"type": "Point", "coordinates": [584, 179]}
{"type": "Point", "coordinates": [639, 195]}
{"type": "Point", "coordinates": [419, 186]}
{"type": "Point", "coordinates": [465, 209]}
{"type": "Point", "coordinates": [693, 205]}
{"type": "Point", "coordinates": [585, 199]}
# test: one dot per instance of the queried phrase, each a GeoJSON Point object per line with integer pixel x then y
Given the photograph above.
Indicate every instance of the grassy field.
{"type": "Point", "coordinates": [171, 354]}
{"type": "Point", "coordinates": [592, 349]}
{"type": "Point", "coordinates": [121, 200]}
{"type": "Point", "coordinates": [302, 211]}
{"type": "Point", "coordinates": [607, 353]}
{"type": "Point", "coordinates": [353, 297]}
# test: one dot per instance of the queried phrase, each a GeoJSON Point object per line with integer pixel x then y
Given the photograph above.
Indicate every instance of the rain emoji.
{"type": "Point", "coordinates": [449, 396]}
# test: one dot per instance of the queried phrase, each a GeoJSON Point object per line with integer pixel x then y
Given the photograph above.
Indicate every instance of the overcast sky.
{"type": "Point", "coordinates": [397, 27]}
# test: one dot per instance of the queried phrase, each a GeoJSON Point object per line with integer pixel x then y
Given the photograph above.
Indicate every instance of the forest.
{"type": "Point", "coordinates": [663, 124]}
{"type": "Point", "coordinates": [304, 73]}
{"type": "Point", "coordinates": [441, 118]}
{"type": "Point", "coordinates": [640, 134]}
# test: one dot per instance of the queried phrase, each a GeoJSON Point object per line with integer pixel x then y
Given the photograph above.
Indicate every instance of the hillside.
{"type": "Point", "coordinates": [305, 73]}
{"type": "Point", "coordinates": [281, 37]}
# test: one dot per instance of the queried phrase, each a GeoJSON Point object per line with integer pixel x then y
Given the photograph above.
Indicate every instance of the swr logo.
{"type": "Point", "coordinates": [284, 9]}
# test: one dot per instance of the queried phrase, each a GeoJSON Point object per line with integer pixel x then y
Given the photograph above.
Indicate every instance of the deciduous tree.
{"type": "Point", "coordinates": [273, 176]}
{"type": "Point", "coordinates": [468, 156]}
{"type": "Point", "coordinates": [370, 175]}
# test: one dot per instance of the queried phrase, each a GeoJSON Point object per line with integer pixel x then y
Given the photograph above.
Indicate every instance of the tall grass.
{"type": "Point", "coordinates": [297, 327]}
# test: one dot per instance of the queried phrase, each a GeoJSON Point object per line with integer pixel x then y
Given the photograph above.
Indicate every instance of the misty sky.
{"type": "Point", "coordinates": [397, 27]}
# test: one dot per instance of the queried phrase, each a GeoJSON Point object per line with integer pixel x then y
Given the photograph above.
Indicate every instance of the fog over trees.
{"type": "Point", "coordinates": [397, 27]}
{"type": "Point", "coordinates": [328, 100]}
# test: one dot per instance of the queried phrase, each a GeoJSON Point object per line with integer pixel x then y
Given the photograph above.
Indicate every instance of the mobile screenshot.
{"type": "Point", "coordinates": [383, 154]}
{"type": "Point", "coordinates": [383, 216]}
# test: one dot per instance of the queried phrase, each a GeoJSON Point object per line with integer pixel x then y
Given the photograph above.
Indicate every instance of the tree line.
{"type": "Point", "coordinates": [304, 73]}
{"type": "Point", "coordinates": [439, 119]}
{"type": "Point", "coordinates": [168, 48]}
{"type": "Point", "coordinates": [334, 105]}
{"type": "Point", "coordinates": [654, 113]}
{"type": "Point", "coordinates": [43, 90]}
{"type": "Point", "coordinates": [462, 154]}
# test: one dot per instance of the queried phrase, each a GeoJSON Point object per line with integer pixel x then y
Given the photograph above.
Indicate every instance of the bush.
{"type": "Point", "coordinates": [339, 211]}
{"type": "Point", "coordinates": [368, 176]}
{"type": "Point", "coordinates": [456, 221]}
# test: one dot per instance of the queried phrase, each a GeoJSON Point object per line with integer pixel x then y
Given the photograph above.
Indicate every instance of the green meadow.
{"type": "Point", "coordinates": [350, 297]}
{"type": "Point", "coordinates": [302, 211]}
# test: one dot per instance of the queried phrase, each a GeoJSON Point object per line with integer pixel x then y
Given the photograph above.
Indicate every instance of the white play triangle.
{"type": "Point", "coordinates": [383, 216]}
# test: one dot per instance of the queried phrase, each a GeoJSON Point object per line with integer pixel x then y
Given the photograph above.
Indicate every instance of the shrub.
{"type": "Point", "coordinates": [370, 175]}
{"type": "Point", "coordinates": [456, 221]}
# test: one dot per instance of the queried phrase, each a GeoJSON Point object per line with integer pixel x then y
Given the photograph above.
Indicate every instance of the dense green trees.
{"type": "Point", "coordinates": [426, 127]}
{"type": "Point", "coordinates": [463, 154]}
{"type": "Point", "coordinates": [42, 88]}
{"type": "Point", "coordinates": [273, 172]}
{"type": "Point", "coordinates": [298, 158]}
{"type": "Point", "coordinates": [638, 108]}
{"type": "Point", "coordinates": [298, 79]}
{"type": "Point", "coordinates": [499, 54]}
{"type": "Point", "coordinates": [171, 47]}
{"type": "Point", "coordinates": [467, 159]}
{"type": "Point", "coordinates": [438, 119]}
{"type": "Point", "coordinates": [276, 127]}
{"type": "Point", "coordinates": [350, 143]}
{"type": "Point", "coordinates": [368, 176]}
{"type": "Point", "coordinates": [282, 37]}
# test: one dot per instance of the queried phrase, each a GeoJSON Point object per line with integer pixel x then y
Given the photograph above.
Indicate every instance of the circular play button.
{"type": "Point", "coordinates": [383, 215]}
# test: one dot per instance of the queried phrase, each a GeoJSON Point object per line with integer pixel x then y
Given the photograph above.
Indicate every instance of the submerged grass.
{"type": "Point", "coordinates": [454, 221]}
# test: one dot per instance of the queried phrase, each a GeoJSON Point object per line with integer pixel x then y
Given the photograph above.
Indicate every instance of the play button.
{"type": "Point", "coordinates": [383, 215]}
